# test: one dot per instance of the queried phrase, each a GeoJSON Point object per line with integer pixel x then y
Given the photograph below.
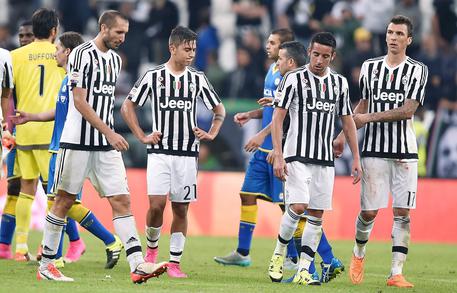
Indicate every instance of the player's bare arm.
{"type": "Point", "coordinates": [5, 93]}
{"type": "Point", "coordinates": [340, 140]}
{"type": "Point", "coordinates": [401, 113]}
{"type": "Point", "coordinates": [243, 117]}
{"type": "Point", "coordinates": [115, 139]}
{"type": "Point", "coordinates": [22, 117]}
{"type": "Point", "coordinates": [350, 133]}
{"type": "Point", "coordinates": [279, 164]}
{"type": "Point", "coordinates": [218, 119]}
{"type": "Point", "coordinates": [255, 142]}
{"type": "Point", "coordinates": [128, 111]}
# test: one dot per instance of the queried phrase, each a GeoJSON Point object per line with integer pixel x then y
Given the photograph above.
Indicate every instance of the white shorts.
{"type": "Point", "coordinates": [381, 176]}
{"type": "Point", "coordinates": [310, 184]}
{"type": "Point", "coordinates": [105, 170]}
{"type": "Point", "coordinates": [174, 175]}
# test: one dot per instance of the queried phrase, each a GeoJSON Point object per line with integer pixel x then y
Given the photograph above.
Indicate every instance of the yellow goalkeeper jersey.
{"type": "Point", "coordinates": [37, 80]}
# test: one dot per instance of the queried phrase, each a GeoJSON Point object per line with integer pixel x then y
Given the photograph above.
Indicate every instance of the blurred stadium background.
{"type": "Point", "coordinates": [231, 52]}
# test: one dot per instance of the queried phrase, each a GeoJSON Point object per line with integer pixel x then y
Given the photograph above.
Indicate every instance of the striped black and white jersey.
{"type": "Point", "coordinates": [6, 69]}
{"type": "Point", "coordinates": [313, 102]}
{"type": "Point", "coordinates": [97, 72]}
{"type": "Point", "coordinates": [174, 107]}
{"type": "Point", "coordinates": [388, 88]}
{"type": "Point", "coordinates": [6, 72]}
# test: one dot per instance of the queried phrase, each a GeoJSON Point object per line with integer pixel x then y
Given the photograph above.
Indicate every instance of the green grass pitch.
{"type": "Point", "coordinates": [431, 267]}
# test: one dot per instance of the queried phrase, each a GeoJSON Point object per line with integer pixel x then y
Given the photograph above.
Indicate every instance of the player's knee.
{"type": "Point", "coordinates": [180, 210]}
{"type": "Point", "coordinates": [401, 212]}
{"type": "Point", "coordinates": [14, 186]}
{"type": "Point", "coordinates": [298, 208]}
{"type": "Point", "coordinates": [247, 200]}
{"type": "Point", "coordinates": [63, 203]}
{"type": "Point", "coordinates": [120, 204]}
{"type": "Point", "coordinates": [369, 215]}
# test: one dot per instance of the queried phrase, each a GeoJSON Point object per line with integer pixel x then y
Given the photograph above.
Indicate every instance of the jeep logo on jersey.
{"type": "Point", "coordinates": [319, 105]}
{"type": "Point", "coordinates": [176, 104]}
{"type": "Point", "coordinates": [389, 96]}
{"type": "Point", "coordinates": [106, 88]}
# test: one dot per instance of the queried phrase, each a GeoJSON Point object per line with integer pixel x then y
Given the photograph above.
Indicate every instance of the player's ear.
{"type": "Point", "coordinates": [67, 52]}
{"type": "Point", "coordinates": [410, 40]}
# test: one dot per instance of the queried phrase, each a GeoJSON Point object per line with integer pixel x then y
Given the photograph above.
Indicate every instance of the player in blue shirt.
{"type": "Point", "coordinates": [67, 42]}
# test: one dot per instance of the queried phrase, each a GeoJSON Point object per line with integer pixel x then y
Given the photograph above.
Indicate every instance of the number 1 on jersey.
{"type": "Point", "coordinates": [41, 90]}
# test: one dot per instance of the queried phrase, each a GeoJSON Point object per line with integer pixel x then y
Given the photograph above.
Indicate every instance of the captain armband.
{"type": "Point", "coordinates": [218, 117]}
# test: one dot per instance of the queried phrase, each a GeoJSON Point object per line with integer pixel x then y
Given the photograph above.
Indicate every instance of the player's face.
{"type": "Point", "coordinates": [272, 46]}
{"type": "Point", "coordinates": [26, 35]}
{"type": "Point", "coordinates": [61, 54]}
{"type": "Point", "coordinates": [114, 36]}
{"type": "Point", "coordinates": [320, 57]}
{"type": "Point", "coordinates": [397, 38]}
{"type": "Point", "coordinates": [184, 53]}
{"type": "Point", "coordinates": [284, 62]}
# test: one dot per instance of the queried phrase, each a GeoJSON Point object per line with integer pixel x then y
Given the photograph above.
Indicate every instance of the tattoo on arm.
{"type": "Point", "coordinates": [219, 117]}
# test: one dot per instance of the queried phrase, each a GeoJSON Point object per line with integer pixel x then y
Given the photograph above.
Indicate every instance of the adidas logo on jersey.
{"type": "Point", "coordinates": [389, 96]}
{"type": "Point", "coordinates": [176, 104]}
{"type": "Point", "coordinates": [320, 106]}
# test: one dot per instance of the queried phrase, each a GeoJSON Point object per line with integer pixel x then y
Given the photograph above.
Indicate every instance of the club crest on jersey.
{"type": "Point", "coordinates": [277, 80]}
{"type": "Point", "coordinates": [336, 90]}
{"type": "Point", "coordinates": [176, 85]}
{"type": "Point", "coordinates": [405, 79]}
{"type": "Point", "coordinates": [192, 87]}
{"type": "Point", "coordinates": [63, 99]}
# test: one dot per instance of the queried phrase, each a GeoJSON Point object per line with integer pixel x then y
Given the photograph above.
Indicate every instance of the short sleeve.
{"type": "Point", "coordinates": [285, 92]}
{"type": "Point", "coordinates": [142, 90]}
{"type": "Point", "coordinates": [208, 94]}
{"type": "Point", "coordinates": [78, 67]}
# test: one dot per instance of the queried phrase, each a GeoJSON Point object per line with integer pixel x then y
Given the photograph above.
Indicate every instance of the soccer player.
{"type": "Point", "coordinates": [260, 181]}
{"type": "Point", "coordinates": [391, 87]}
{"type": "Point", "coordinates": [89, 147]}
{"type": "Point", "coordinates": [8, 222]}
{"type": "Point", "coordinates": [173, 145]}
{"type": "Point", "coordinates": [66, 43]}
{"type": "Point", "coordinates": [313, 95]}
{"type": "Point", "coordinates": [37, 78]}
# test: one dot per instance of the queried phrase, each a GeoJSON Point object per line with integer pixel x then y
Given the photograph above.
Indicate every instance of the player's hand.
{"type": "Point", "coordinates": [117, 141]}
{"type": "Point", "coordinates": [360, 120]}
{"type": "Point", "coordinates": [279, 166]}
{"type": "Point", "coordinates": [152, 138]}
{"type": "Point", "coordinates": [253, 144]}
{"type": "Point", "coordinates": [338, 146]}
{"type": "Point", "coordinates": [8, 140]}
{"type": "Point", "coordinates": [265, 101]}
{"type": "Point", "coordinates": [241, 118]}
{"type": "Point", "coordinates": [202, 135]}
{"type": "Point", "coordinates": [356, 171]}
{"type": "Point", "coordinates": [20, 117]}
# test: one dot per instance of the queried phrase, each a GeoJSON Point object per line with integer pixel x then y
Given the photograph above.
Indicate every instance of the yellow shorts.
{"type": "Point", "coordinates": [34, 163]}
